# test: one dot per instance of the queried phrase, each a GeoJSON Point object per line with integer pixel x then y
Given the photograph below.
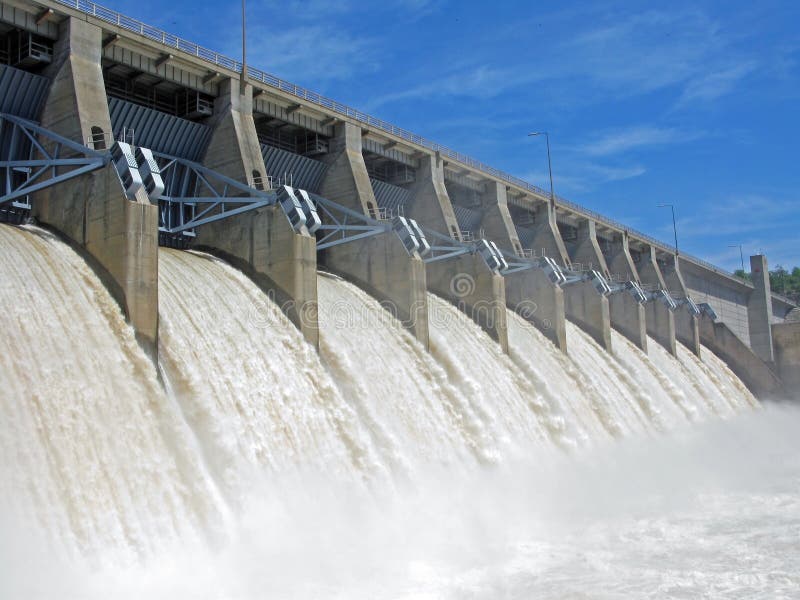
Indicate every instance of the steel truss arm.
{"type": "Point", "coordinates": [343, 225]}
{"type": "Point", "coordinates": [444, 247]}
{"type": "Point", "coordinates": [28, 155]}
{"type": "Point", "coordinates": [216, 196]}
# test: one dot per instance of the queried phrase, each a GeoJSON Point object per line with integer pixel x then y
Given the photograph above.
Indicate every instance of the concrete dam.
{"type": "Point", "coordinates": [244, 320]}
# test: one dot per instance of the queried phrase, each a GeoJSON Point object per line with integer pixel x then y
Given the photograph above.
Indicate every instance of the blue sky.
{"type": "Point", "coordinates": [691, 103]}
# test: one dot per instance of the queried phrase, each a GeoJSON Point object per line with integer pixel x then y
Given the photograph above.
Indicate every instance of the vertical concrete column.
{"type": "Point", "coordinates": [547, 237]}
{"type": "Point", "coordinates": [528, 293]}
{"type": "Point", "coordinates": [686, 324]}
{"type": "Point", "coordinates": [532, 296]}
{"type": "Point", "coordinates": [430, 204]}
{"type": "Point", "coordinates": [262, 244]}
{"type": "Point", "coordinates": [497, 222]}
{"type": "Point", "coordinates": [234, 149]}
{"type": "Point", "coordinates": [786, 338]}
{"type": "Point", "coordinates": [346, 180]}
{"type": "Point", "coordinates": [465, 281]}
{"type": "Point", "coordinates": [283, 263]}
{"type": "Point", "coordinates": [627, 315]}
{"type": "Point", "coordinates": [380, 265]}
{"type": "Point", "coordinates": [753, 371]}
{"type": "Point", "coordinates": [660, 320]}
{"type": "Point", "coordinates": [759, 310]}
{"type": "Point", "coordinates": [584, 306]}
{"type": "Point", "coordinates": [118, 236]}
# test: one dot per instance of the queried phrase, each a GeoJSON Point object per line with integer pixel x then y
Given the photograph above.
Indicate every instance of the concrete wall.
{"type": "Point", "coordinates": [547, 237]}
{"type": "Point", "coordinates": [686, 324]}
{"type": "Point", "coordinates": [727, 300]}
{"type": "Point", "coordinates": [477, 291]}
{"type": "Point", "coordinates": [263, 245]}
{"type": "Point", "coordinates": [531, 295]}
{"type": "Point", "coordinates": [118, 236]}
{"type": "Point", "coordinates": [430, 204]}
{"type": "Point", "coordinates": [660, 320]}
{"type": "Point", "coordinates": [466, 281]}
{"type": "Point", "coordinates": [497, 223]}
{"type": "Point", "coordinates": [786, 339]}
{"type": "Point", "coordinates": [753, 371]}
{"type": "Point", "coordinates": [234, 149]}
{"type": "Point", "coordinates": [584, 306]}
{"type": "Point", "coordinates": [627, 315]}
{"type": "Point", "coordinates": [380, 265]}
{"type": "Point", "coordinates": [759, 310]}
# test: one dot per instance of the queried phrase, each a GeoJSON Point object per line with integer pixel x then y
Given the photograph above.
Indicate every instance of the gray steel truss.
{"type": "Point", "coordinates": [35, 158]}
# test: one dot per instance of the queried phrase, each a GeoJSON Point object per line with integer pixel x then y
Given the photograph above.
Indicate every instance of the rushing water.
{"type": "Point", "coordinates": [376, 468]}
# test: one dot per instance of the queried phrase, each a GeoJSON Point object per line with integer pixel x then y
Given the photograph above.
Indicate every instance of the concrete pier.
{"type": "Point", "coordinates": [234, 150]}
{"type": "Point", "coordinates": [497, 223]}
{"type": "Point", "coordinates": [786, 340]}
{"type": "Point", "coordinates": [466, 281]}
{"type": "Point", "coordinates": [119, 236]}
{"type": "Point", "coordinates": [262, 243]}
{"type": "Point", "coordinates": [528, 293]}
{"type": "Point", "coordinates": [687, 328]}
{"type": "Point", "coordinates": [584, 306]}
{"type": "Point", "coordinates": [379, 265]}
{"type": "Point", "coordinates": [627, 315]}
{"type": "Point", "coordinates": [759, 310]}
{"type": "Point", "coordinates": [660, 319]}
{"type": "Point", "coordinates": [264, 246]}
{"type": "Point", "coordinates": [753, 371]}
{"type": "Point", "coordinates": [547, 237]}
{"type": "Point", "coordinates": [532, 296]}
{"type": "Point", "coordinates": [430, 204]}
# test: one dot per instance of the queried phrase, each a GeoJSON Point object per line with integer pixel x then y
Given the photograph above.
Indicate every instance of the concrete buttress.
{"type": "Point", "coordinates": [119, 236]}
{"type": "Point", "coordinates": [529, 293]}
{"type": "Point", "coordinates": [380, 265]}
{"type": "Point", "coordinates": [584, 306]}
{"type": "Point", "coordinates": [627, 315]}
{"type": "Point", "coordinates": [466, 281]}
{"type": "Point", "coordinates": [660, 319]}
{"type": "Point", "coordinates": [261, 243]}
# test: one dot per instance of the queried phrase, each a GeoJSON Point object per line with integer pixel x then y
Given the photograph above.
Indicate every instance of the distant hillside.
{"type": "Point", "coordinates": [782, 281]}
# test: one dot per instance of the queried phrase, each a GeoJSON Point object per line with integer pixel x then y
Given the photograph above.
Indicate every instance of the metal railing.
{"type": "Point", "coordinates": [173, 41]}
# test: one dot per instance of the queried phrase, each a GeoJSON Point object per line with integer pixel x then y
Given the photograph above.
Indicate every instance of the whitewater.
{"type": "Point", "coordinates": [248, 465]}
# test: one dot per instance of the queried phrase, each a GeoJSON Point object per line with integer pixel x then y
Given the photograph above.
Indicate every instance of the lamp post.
{"type": "Point", "coordinates": [674, 227]}
{"type": "Point", "coordinates": [741, 254]}
{"type": "Point", "coordinates": [549, 163]}
{"type": "Point", "coordinates": [244, 43]}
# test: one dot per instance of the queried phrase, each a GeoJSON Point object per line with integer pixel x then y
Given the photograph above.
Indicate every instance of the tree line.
{"type": "Point", "coordinates": [781, 280]}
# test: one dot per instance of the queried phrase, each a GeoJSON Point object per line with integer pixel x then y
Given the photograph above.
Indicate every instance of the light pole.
{"type": "Point", "coordinates": [244, 43]}
{"type": "Point", "coordinates": [674, 227]}
{"type": "Point", "coordinates": [741, 254]}
{"type": "Point", "coordinates": [549, 163]}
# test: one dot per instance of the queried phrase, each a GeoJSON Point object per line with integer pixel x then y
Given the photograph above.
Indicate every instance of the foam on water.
{"type": "Point", "coordinates": [377, 469]}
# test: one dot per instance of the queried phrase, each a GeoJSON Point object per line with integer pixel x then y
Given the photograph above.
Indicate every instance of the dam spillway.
{"type": "Point", "coordinates": [245, 395]}
{"type": "Point", "coordinates": [258, 343]}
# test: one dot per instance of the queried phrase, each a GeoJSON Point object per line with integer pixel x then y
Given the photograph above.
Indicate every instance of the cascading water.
{"type": "Point", "coordinates": [253, 391]}
{"type": "Point", "coordinates": [252, 465]}
{"type": "Point", "coordinates": [91, 450]}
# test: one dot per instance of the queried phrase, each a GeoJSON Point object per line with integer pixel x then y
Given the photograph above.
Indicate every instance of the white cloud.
{"type": "Point", "coordinates": [315, 53]}
{"type": "Point", "coordinates": [715, 84]}
{"type": "Point", "coordinates": [616, 142]}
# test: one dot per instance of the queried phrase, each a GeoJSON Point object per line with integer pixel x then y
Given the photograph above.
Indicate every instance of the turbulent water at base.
{"type": "Point", "coordinates": [376, 468]}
